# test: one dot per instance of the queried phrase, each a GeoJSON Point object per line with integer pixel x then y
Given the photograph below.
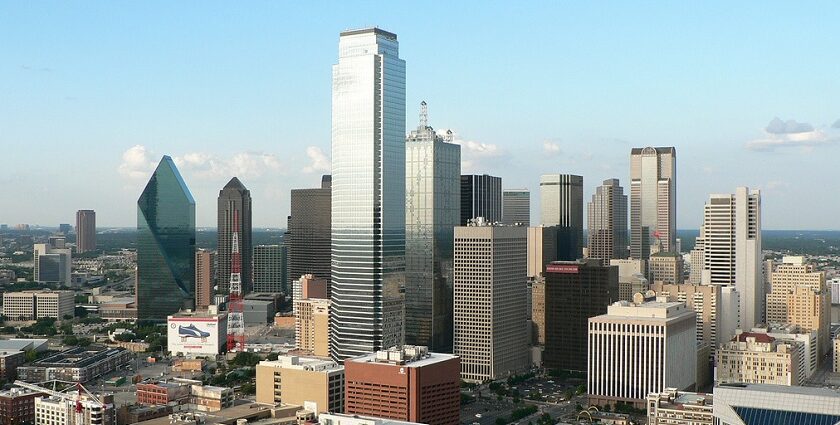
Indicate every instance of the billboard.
{"type": "Point", "coordinates": [194, 336]}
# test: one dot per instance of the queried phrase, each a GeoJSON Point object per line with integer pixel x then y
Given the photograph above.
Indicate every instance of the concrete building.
{"type": "Point", "coordinates": [53, 410]}
{"type": "Point", "coordinates": [757, 358]}
{"type": "Point", "coordinates": [407, 384]}
{"type": "Point", "coordinates": [706, 301]}
{"type": "Point", "coordinates": [77, 364]}
{"type": "Point", "coordinates": [164, 393]}
{"type": "Point", "coordinates": [794, 334]}
{"type": "Point", "coordinates": [538, 310]}
{"type": "Point", "coordinates": [53, 262]}
{"type": "Point", "coordinates": [37, 304]}
{"type": "Point", "coordinates": [666, 267]}
{"type": "Point", "coordinates": [234, 216]}
{"type": "Point", "coordinates": [341, 419]}
{"type": "Point", "coordinates": [258, 311]}
{"type": "Point", "coordinates": [312, 326]}
{"type": "Point", "coordinates": [208, 398]}
{"type": "Point", "coordinates": [205, 272]}
{"type": "Point", "coordinates": [800, 296]}
{"type": "Point", "coordinates": [85, 231]}
{"type": "Point", "coordinates": [731, 235]}
{"type": "Point", "coordinates": [574, 292]}
{"type": "Point", "coordinates": [631, 278]}
{"type": "Point", "coordinates": [542, 249]}
{"type": "Point", "coordinates": [607, 222]}
{"type": "Point", "coordinates": [308, 234]}
{"type": "Point", "coordinates": [301, 380]}
{"type": "Point", "coordinates": [698, 264]}
{"type": "Point", "coordinates": [516, 207]}
{"type": "Point", "coordinates": [640, 348]}
{"type": "Point", "coordinates": [561, 205]}
{"type": "Point", "coordinates": [9, 362]}
{"type": "Point", "coordinates": [432, 210]}
{"type": "Point", "coordinates": [481, 196]}
{"type": "Point", "coordinates": [836, 356]}
{"type": "Point", "coordinates": [271, 269]}
{"type": "Point", "coordinates": [739, 404]}
{"type": "Point", "coordinates": [490, 291]}
{"type": "Point", "coordinates": [653, 200]}
{"type": "Point", "coordinates": [673, 407]}
{"type": "Point", "coordinates": [17, 406]}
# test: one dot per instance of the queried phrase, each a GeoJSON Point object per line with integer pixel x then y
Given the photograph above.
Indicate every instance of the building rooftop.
{"type": "Point", "coordinates": [302, 363]}
{"type": "Point", "coordinates": [408, 356]}
{"type": "Point", "coordinates": [77, 357]}
{"type": "Point", "coordinates": [782, 389]}
{"type": "Point", "coordinates": [759, 337]}
{"type": "Point", "coordinates": [371, 30]}
{"type": "Point", "coordinates": [16, 344]}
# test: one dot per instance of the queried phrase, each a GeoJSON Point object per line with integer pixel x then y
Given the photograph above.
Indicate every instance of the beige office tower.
{"type": "Point", "coordinates": [696, 255]}
{"type": "Point", "coordinates": [204, 272]}
{"type": "Point", "coordinates": [490, 290]}
{"type": "Point", "coordinates": [631, 278]}
{"type": "Point", "coordinates": [795, 334]}
{"type": "Point", "coordinates": [837, 354]}
{"type": "Point", "coordinates": [538, 310]}
{"type": "Point", "coordinates": [800, 297]}
{"type": "Point", "coordinates": [312, 326]}
{"type": "Point", "coordinates": [542, 249]}
{"type": "Point", "coordinates": [297, 380]}
{"type": "Point", "coordinates": [666, 267]}
{"type": "Point", "coordinates": [607, 222]}
{"type": "Point", "coordinates": [702, 299]}
{"type": "Point", "coordinates": [653, 200]}
{"type": "Point", "coordinates": [732, 249]}
{"type": "Point", "coordinates": [780, 361]}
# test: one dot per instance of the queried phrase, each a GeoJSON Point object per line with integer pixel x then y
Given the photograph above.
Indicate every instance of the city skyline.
{"type": "Point", "coordinates": [268, 123]}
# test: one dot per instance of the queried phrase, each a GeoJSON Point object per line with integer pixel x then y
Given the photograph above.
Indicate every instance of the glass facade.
{"type": "Point", "coordinates": [561, 203]}
{"type": "Point", "coordinates": [756, 416]}
{"type": "Point", "coordinates": [368, 194]}
{"type": "Point", "coordinates": [165, 244]}
{"type": "Point", "coordinates": [233, 197]}
{"type": "Point", "coordinates": [433, 169]}
{"type": "Point", "coordinates": [652, 200]}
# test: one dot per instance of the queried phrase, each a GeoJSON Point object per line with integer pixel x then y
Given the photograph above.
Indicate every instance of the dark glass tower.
{"type": "Point", "coordinates": [165, 244]}
{"type": "Point", "coordinates": [234, 197]}
{"type": "Point", "coordinates": [481, 196]}
{"type": "Point", "coordinates": [308, 237]}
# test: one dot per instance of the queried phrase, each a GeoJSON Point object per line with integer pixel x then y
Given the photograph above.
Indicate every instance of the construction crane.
{"type": "Point", "coordinates": [78, 409]}
{"type": "Point", "coordinates": [236, 308]}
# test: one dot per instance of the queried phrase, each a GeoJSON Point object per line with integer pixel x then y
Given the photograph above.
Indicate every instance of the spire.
{"type": "Point", "coordinates": [424, 115]}
{"type": "Point", "coordinates": [234, 183]}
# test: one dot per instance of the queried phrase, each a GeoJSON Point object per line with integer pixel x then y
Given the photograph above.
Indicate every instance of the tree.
{"type": "Point", "coordinates": [245, 358]}
{"type": "Point", "coordinates": [501, 420]}
{"type": "Point", "coordinates": [70, 340]}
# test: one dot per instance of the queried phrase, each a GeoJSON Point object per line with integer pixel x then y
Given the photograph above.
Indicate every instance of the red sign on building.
{"type": "Point", "coordinates": [562, 268]}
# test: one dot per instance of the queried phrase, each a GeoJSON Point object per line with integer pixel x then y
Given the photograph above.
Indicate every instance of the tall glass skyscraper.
{"type": "Point", "coordinates": [607, 216]}
{"type": "Point", "coordinates": [233, 197]}
{"type": "Point", "coordinates": [432, 210]}
{"type": "Point", "coordinates": [165, 244]}
{"type": "Point", "coordinates": [561, 204]}
{"type": "Point", "coordinates": [653, 200]}
{"type": "Point", "coordinates": [481, 196]}
{"type": "Point", "coordinates": [368, 194]}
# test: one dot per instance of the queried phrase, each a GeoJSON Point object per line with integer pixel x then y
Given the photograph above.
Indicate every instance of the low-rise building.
{"type": "Point", "coordinates": [9, 362]}
{"type": "Point", "coordinates": [197, 333]}
{"type": "Point", "coordinates": [209, 398]}
{"type": "Point", "coordinates": [751, 404]}
{"type": "Point", "coordinates": [301, 380]}
{"type": "Point", "coordinates": [17, 406]}
{"type": "Point", "coordinates": [37, 304]}
{"type": "Point", "coordinates": [758, 358]}
{"type": "Point", "coordinates": [795, 333]}
{"type": "Point", "coordinates": [673, 407]}
{"type": "Point", "coordinates": [118, 311]}
{"type": "Point", "coordinates": [77, 364]}
{"type": "Point", "coordinates": [341, 419]}
{"type": "Point", "coordinates": [53, 410]}
{"type": "Point", "coordinates": [163, 393]}
{"type": "Point", "coordinates": [132, 413]}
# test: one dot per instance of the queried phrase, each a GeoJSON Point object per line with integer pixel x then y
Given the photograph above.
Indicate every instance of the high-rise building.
{"type": "Point", "coordinates": [298, 380]}
{"type": "Point", "coordinates": [538, 311]}
{"type": "Point", "coordinates": [758, 358]}
{"type": "Point", "coordinates": [432, 210]}
{"type": "Point", "coordinates": [706, 301]}
{"type": "Point", "coordinates": [561, 204]}
{"type": "Point", "coordinates": [608, 222]}
{"type": "Point", "coordinates": [406, 383]}
{"type": "Point", "coordinates": [542, 249]}
{"type": "Point", "coordinates": [481, 196]}
{"type": "Point", "coordinates": [640, 348]}
{"type": "Point", "coordinates": [732, 249]}
{"type": "Point", "coordinates": [368, 194]}
{"type": "Point", "coordinates": [53, 262]}
{"type": "Point", "coordinates": [204, 274]}
{"type": "Point", "coordinates": [574, 292]}
{"type": "Point", "coordinates": [695, 276]}
{"type": "Point", "coordinates": [165, 245]}
{"type": "Point", "coordinates": [234, 200]}
{"type": "Point", "coordinates": [312, 326]}
{"type": "Point", "coordinates": [85, 231]}
{"type": "Point", "coordinates": [490, 290]}
{"type": "Point", "coordinates": [516, 207]}
{"type": "Point", "coordinates": [308, 237]}
{"type": "Point", "coordinates": [653, 200]}
{"type": "Point", "coordinates": [270, 269]}
{"type": "Point", "coordinates": [666, 267]}
{"type": "Point", "coordinates": [631, 278]}
{"type": "Point", "coordinates": [800, 297]}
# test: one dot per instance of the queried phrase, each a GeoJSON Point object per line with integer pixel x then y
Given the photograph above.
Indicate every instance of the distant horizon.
{"type": "Point", "coordinates": [205, 228]}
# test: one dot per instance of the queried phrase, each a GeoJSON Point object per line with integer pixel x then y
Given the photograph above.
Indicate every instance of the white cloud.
{"type": "Point", "coordinates": [319, 160]}
{"type": "Point", "coordinates": [776, 184]}
{"type": "Point", "coordinates": [475, 156]}
{"type": "Point", "coordinates": [777, 126]}
{"type": "Point", "coordinates": [137, 163]}
{"type": "Point", "coordinates": [794, 134]}
{"type": "Point", "coordinates": [551, 148]}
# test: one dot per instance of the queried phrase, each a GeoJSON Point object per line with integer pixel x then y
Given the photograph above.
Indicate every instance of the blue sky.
{"type": "Point", "coordinates": [93, 93]}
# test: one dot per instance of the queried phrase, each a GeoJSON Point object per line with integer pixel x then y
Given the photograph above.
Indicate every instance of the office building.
{"type": "Point", "coordinates": [490, 291]}
{"type": "Point", "coordinates": [516, 207]}
{"type": "Point", "coordinates": [732, 249]}
{"type": "Point", "coordinates": [308, 237]}
{"type": "Point", "coordinates": [542, 249]}
{"type": "Point", "coordinates": [65, 410]}
{"type": "Point", "coordinates": [800, 296]}
{"type": "Point", "coordinates": [77, 364]}
{"type": "Point", "coordinates": [271, 269]}
{"type": "Point", "coordinates": [640, 348]}
{"type": "Point", "coordinates": [165, 245]}
{"type": "Point", "coordinates": [301, 380]}
{"type": "Point", "coordinates": [574, 292]}
{"type": "Point", "coordinates": [707, 301]}
{"type": "Point", "coordinates": [796, 335]}
{"type": "Point", "coordinates": [308, 286]}
{"type": "Point", "coordinates": [673, 407]}
{"type": "Point", "coordinates": [836, 354]}
{"type": "Point", "coordinates": [368, 194]}
{"type": "Point", "coordinates": [204, 274]}
{"type": "Point", "coordinates": [631, 278]}
{"type": "Point", "coordinates": [85, 231]}
{"type": "Point", "coordinates": [561, 205]}
{"type": "Point", "coordinates": [407, 384]}
{"type": "Point", "coordinates": [432, 210]}
{"type": "Point", "coordinates": [312, 326]}
{"type": "Point", "coordinates": [607, 218]}
{"type": "Point", "coordinates": [17, 406]}
{"type": "Point", "coordinates": [834, 285]}
{"type": "Point", "coordinates": [653, 200]}
{"type": "Point", "coordinates": [739, 404]}
{"type": "Point", "coordinates": [9, 362]}
{"type": "Point", "coordinates": [698, 262]}
{"type": "Point", "coordinates": [538, 311]}
{"type": "Point", "coordinates": [37, 304]}
{"type": "Point", "coordinates": [481, 196]}
{"type": "Point", "coordinates": [209, 398]}
{"type": "Point", "coordinates": [234, 216]}
{"type": "Point", "coordinates": [757, 358]}
{"type": "Point", "coordinates": [53, 262]}
{"type": "Point", "coordinates": [666, 267]}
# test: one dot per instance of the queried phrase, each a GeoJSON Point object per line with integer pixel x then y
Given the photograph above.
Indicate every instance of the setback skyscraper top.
{"type": "Point", "coordinates": [608, 222]}
{"type": "Point", "coordinates": [481, 196]}
{"type": "Point", "coordinates": [653, 200]}
{"type": "Point", "coordinates": [165, 244]}
{"type": "Point", "coordinates": [368, 194]}
{"type": "Point", "coordinates": [561, 204]}
{"type": "Point", "coordinates": [234, 197]}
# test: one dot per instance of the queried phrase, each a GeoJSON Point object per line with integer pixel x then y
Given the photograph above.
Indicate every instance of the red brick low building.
{"type": "Point", "coordinates": [17, 406]}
